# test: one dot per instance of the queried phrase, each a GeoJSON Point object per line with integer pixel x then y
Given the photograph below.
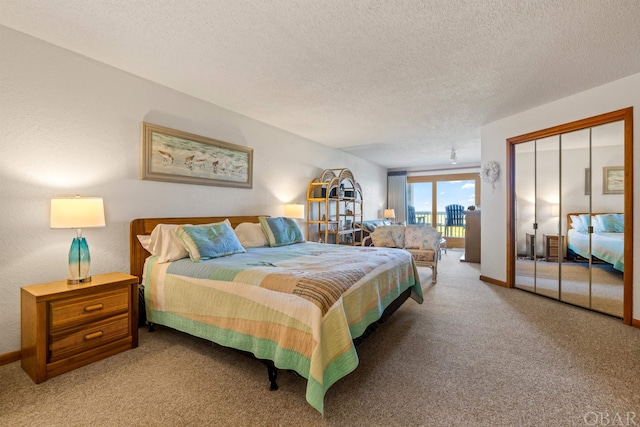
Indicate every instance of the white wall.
{"type": "Point", "coordinates": [71, 125]}
{"type": "Point", "coordinates": [612, 96]}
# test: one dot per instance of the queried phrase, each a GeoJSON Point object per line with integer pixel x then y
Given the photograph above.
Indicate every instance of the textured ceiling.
{"type": "Point", "coordinates": [397, 82]}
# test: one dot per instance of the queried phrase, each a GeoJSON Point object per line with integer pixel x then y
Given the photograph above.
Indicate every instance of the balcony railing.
{"type": "Point", "coordinates": [426, 218]}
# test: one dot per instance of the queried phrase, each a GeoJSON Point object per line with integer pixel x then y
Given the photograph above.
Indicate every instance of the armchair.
{"type": "Point", "coordinates": [421, 241]}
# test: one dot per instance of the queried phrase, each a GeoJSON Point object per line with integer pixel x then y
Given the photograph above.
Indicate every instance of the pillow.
{"type": "Point", "coordinates": [587, 220]}
{"type": "Point", "coordinates": [421, 237]}
{"type": "Point", "coordinates": [368, 226]}
{"type": "Point", "coordinates": [165, 244]}
{"type": "Point", "coordinates": [595, 221]}
{"type": "Point", "coordinates": [390, 236]}
{"type": "Point", "coordinates": [281, 231]}
{"type": "Point", "coordinates": [251, 235]}
{"type": "Point", "coordinates": [610, 223]}
{"type": "Point", "coordinates": [145, 241]}
{"type": "Point", "coordinates": [577, 223]}
{"type": "Point", "coordinates": [209, 241]}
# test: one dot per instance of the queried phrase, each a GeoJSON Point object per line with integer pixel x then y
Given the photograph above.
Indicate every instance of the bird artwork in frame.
{"type": "Point", "coordinates": [613, 180]}
{"type": "Point", "coordinates": [175, 156]}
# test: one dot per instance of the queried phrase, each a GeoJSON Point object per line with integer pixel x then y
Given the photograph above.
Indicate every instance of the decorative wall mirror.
{"type": "Point", "coordinates": [570, 213]}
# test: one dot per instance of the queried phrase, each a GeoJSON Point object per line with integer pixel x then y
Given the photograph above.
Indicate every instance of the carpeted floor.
{"type": "Point", "coordinates": [473, 354]}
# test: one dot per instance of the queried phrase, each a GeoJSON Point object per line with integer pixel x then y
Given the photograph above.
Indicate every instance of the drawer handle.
{"type": "Point", "coordinates": [93, 335]}
{"type": "Point", "coordinates": [94, 307]}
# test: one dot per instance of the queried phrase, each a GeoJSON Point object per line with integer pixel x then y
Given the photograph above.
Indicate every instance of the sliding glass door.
{"type": "Point", "coordinates": [429, 196]}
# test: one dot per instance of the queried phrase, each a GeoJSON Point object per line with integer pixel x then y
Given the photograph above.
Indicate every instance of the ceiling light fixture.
{"type": "Point", "coordinates": [453, 157]}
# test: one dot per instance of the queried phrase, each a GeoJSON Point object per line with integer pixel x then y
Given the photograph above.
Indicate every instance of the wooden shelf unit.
{"type": "Point", "coordinates": [334, 207]}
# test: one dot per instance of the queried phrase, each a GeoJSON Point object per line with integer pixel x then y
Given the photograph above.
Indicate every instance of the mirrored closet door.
{"type": "Point", "coordinates": [567, 213]}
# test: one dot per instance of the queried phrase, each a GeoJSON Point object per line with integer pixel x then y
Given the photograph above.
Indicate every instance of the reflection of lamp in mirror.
{"type": "Point", "coordinates": [295, 211]}
{"type": "Point", "coordinates": [77, 212]}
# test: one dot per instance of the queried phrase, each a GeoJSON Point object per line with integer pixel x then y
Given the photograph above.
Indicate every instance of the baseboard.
{"type": "Point", "coordinates": [635, 323]}
{"type": "Point", "coordinates": [493, 281]}
{"type": "Point", "coordinates": [7, 358]}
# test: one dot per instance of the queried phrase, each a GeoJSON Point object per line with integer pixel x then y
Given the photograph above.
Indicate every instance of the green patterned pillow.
{"type": "Point", "coordinates": [209, 241]}
{"type": "Point", "coordinates": [281, 231]}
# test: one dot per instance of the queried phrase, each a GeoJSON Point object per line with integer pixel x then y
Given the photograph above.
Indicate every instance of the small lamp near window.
{"type": "Point", "coordinates": [389, 214]}
{"type": "Point", "coordinates": [77, 212]}
{"type": "Point", "coordinates": [295, 211]}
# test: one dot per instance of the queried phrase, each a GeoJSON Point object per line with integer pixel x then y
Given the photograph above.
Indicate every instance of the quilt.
{"type": "Point", "coordinates": [299, 306]}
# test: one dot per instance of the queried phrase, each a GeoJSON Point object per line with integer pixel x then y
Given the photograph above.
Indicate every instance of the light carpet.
{"type": "Point", "coordinates": [473, 354]}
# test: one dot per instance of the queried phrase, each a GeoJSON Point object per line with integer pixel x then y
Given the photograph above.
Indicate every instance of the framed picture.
{"type": "Point", "coordinates": [613, 180]}
{"type": "Point", "coordinates": [175, 156]}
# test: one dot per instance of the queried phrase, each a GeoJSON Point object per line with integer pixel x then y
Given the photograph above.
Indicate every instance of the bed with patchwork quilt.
{"type": "Point", "coordinates": [299, 305]}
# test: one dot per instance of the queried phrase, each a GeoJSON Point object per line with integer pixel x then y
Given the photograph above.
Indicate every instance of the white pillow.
{"type": "Point", "coordinates": [577, 223]}
{"type": "Point", "coordinates": [251, 235]}
{"type": "Point", "coordinates": [145, 241]}
{"type": "Point", "coordinates": [597, 226]}
{"type": "Point", "coordinates": [165, 243]}
{"type": "Point", "coordinates": [587, 220]}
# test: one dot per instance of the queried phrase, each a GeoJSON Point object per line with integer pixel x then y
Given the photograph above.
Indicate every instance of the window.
{"type": "Point", "coordinates": [426, 192]}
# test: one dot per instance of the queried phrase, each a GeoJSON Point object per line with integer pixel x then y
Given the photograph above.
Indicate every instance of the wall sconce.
{"type": "Point", "coordinates": [295, 211]}
{"type": "Point", "coordinates": [77, 212]}
{"type": "Point", "coordinates": [453, 157]}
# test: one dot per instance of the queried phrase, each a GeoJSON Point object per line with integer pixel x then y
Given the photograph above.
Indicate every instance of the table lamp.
{"type": "Point", "coordinates": [295, 211]}
{"type": "Point", "coordinates": [77, 212]}
{"type": "Point", "coordinates": [389, 214]}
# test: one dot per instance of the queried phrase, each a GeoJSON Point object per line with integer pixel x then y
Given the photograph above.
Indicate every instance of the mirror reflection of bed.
{"type": "Point", "coordinates": [558, 180]}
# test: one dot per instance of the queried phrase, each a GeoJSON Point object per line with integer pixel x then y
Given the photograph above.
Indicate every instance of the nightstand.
{"type": "Point", "coordinates": [64, 327]}
{"type": "Point", "coordinates": [553, 247]}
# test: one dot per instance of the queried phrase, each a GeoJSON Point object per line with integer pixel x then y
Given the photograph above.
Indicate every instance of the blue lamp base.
{"type": "Point", "coordinates": [79, 262]}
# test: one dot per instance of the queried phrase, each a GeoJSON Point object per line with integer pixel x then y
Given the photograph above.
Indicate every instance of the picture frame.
{"type": "Point", "coordinates": [172, 155]}
{"type": "Point", "coordinates": [613, 180]}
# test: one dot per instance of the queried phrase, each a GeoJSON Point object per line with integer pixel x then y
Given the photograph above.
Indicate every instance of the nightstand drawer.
{"type": "Point", "coordinates": [89, 336]}
{"type": "Point", "coordinates": [77, 311]}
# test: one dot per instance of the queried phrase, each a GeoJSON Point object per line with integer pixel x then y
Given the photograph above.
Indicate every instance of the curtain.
{"type": "Point", "coordinates": [397, 194]}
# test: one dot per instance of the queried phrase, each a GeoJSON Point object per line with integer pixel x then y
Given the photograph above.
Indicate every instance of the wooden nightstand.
{"type": "Point", "coordinates": [553, 247]}
{"type": "Point", "coordinates": [64, 327]}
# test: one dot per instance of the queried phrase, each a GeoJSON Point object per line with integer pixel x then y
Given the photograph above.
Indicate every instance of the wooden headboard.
{"type": "Point", "coordinates": [142, 226]}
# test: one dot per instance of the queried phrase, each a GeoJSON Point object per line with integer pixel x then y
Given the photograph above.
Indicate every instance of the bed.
{"type": "Point", "coordinates": [300, 307]}
{"type": "Point", "coordinates": [607, 239]}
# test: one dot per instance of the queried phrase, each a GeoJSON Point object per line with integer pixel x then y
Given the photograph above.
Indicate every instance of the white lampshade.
{"type": "Point", "coordinates": [295, 211]}
{"type": "Point", "coordinates": [77, 212]}
{"type": "Point", "coordinates": [389, 214]}
{"type": "Point", "coordinates": [555, 210]}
